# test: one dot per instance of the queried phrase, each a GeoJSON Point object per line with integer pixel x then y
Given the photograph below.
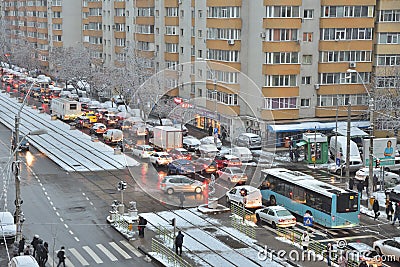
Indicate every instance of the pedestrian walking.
{"type": "Point", "coordinates": [351, 184]}
{"type": "Point", "coordinates": [387, 203]}
{"type": "Point", "coordinates": [45, 254]}
{"type": "Point", "coordinates": [61, 256]}
{"type": "Point", "coordinates": [15, 249]}
{"type": "Point", "coordinates": [21, 246]}
{"type": "Point", "coordinates": [181, 200]}
{"type": "Point", "coordinates": [305, 240]}
{"type": "Point", "coordinates": [396, 213]}
{"type": "Point", "coordinates": [39, 249]}
{"type": "Point", "coordinates": [329, 253]}
{"type": "Point", "coordinates": [34, 244]}
{"type": "Point", "coordinates": [179, 243]}
{"type": "Point", "coordinates": [375, 183]}
{"type": "Point", "coordinates": [291, 154]}
{"type": "Point", "coordinates": [375, 208]}
{"type": "Point", "coordinates": [342, 260]}
{"type": "Point", "coordinates": [391, 211]}
{"type": "Point", "coordinates": [28, 250]}
{"type": "Point", "coordinates": [141, 226]}
{"type": "Point", "coordinates": [210, 130]}
{"type": "Point", "coordinates": [360, 187]}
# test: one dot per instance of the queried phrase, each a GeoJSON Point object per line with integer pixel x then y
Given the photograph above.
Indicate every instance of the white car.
{"type": "Point", "coordinates": [276, 216]}
{"type": "Point", "coordinates": [232, 175]}
{"type": "Point", "coordinates": [390, 177]}
{"type": "Point", "coordinates": [160, 158]}
{"type": "Point", "coordinates": [210, 140]}
{"type": "Point", "coordinates": [388, 247]}
{"type": "Point", "coordinates": [246, 195]}
{"type": "Point", "coordinates": [143, 151]}
{"type": "Point", "coordinates": [23, 261]}
{"type": "Point", "coordinates": [191, 143]}
{"type": "Point", "coordinates": [98, 128]}
{"type": "Point", "coordinates": [7, 227]}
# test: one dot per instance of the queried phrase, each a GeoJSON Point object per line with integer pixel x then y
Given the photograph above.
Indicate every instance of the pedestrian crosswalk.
{"type": "Point", "coordinates": [97, 254]}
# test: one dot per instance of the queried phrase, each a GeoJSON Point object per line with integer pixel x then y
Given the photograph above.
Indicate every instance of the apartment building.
{"type": "Point", "coordinates": [256, 66]}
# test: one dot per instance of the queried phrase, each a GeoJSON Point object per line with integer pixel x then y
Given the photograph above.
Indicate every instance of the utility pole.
{"type": "Point", "coordinates": [371, 149]}
{"type": "Point", "coordinates": [348, 142]}
{"type": "Point", "coordinates": [315, 145]}
{"type": "Point", "coordinates": [17, 166]}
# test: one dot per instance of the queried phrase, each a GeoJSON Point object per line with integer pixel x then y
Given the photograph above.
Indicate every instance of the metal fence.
{"type": "Point", "coordinates": [238, 223]}
{"type": "Point", "coordinates": [168, 254]}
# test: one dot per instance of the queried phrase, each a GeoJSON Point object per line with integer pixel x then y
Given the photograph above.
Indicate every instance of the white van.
{"type": "Point", "coordinates": [249, 140]}
{"type": "Point", "coordinates": [23, 261]}
{"type": "Point", "coordinates": [243, 153]}
{"type": "Point", "coordinates": [355, 158]}
{"type": "Point", "coordinates": [395, 167]}
{"type": "Point", "coordinates": [245, 194]}
{"type": "Point", "coordinates": [113, 136]}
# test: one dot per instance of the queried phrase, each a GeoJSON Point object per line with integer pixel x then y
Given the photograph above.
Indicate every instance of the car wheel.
{"type": "Point", "coordinates": [198, 190]}
{"type": "Point", "coordinates": [170, 191]}
{"type": "Point", "coordinates": [378, 250]}
{"type": "Point", "coordinates": [273, 224]}
{"type": "Point", "coordinates": [272, 201]}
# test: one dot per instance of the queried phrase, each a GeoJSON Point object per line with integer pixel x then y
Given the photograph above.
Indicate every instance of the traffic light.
{"type": "Point", "coordinates": [173, 222]}
{"type": "Point", "coordinates": [377, 163]}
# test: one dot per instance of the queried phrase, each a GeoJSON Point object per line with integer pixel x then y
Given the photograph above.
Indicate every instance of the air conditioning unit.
{"type": "Point", "coordinates": [231, 42]}
{"type": "Point", "coordinates": [263, 35]}
{"type": "Point", "coordinates": [316, 86]}
{"type": "Point", "coordinates": [352, 64]}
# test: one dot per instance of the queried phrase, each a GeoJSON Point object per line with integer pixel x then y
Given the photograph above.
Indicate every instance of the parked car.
{"type": "Point", "coordinates": [243, 153]}
{"type": "Point", "coordinates": [7, 225]}
{"type": "Point", "coordinates": [390, 177]}
{"type": "Point", "coordinates": [249, 140]}
{"type": "Point", "coordinates": [358, 252]}
{"type": "Point", "coordinates": [205, 165]}
{"type": "Point", "coordinates": [23, 261]}
{"type": "Point", "coordinates": [276, 216]}
{"type": "Point", "coordinates": [388, 247]}
{"type": "Point", "coordinates": [181, 166]}
{"type": "Point", "coordinates": [210, 140]}
{"type": "Point", "coordinates": [227, 161]}
{"type": "Point", "coordinates": [246, 195]}
{"type": "Point", "coordinates": [232, 175]}
{"type": "Point", "coordinates": [113, 136]}
{"type": "Point", "coordinates": [180, 153]}
{"type": "Point", "coordinates": [179, 183]}
{"type": "Point", "coordinates": [98, 128]}
{"type": "Point", "coordinates": [160, 158]}
{"type": "Point", "coordinates": [353, 167]}
{"type": "Point", "coordinates": [143, 151]}
{"type": "Point", "coordinates": [191, 143]}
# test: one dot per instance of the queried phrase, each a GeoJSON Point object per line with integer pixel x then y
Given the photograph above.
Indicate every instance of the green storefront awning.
{"type": "Point", "coordinates": [301, 143]}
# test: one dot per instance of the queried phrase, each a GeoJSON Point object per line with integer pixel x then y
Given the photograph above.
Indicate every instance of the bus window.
{"type": "Point", "coordinates": [347, 202]}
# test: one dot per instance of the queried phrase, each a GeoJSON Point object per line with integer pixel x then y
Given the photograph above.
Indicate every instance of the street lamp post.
{"type": "Point", "coordinates": [215, 112]}
{"type": "Point", "coordinates": [371, 137]}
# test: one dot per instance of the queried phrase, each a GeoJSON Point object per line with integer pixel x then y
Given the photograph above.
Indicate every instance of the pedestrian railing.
{"type": "Point", "coordinates": [243, 212]}
{"type": "Point", "coordinates": [165, 234]}
{"type": "Point", "coordinates": [318, 248]}
{"type": "Point", "coordinates": [168, 254]}
{"type": "Point", "coordinates": [245, 228]}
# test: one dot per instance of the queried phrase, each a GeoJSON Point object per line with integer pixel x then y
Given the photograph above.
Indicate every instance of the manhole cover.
{"type": "Point", "coordinates": [77, 209]}
{"type": "Point", "coordinates": [211, 230]}
{"type": "Point", "coordinates": [229, 241]}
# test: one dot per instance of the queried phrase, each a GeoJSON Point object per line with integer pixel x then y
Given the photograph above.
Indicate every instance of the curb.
{"type": "Point", "coordinates": [158, 263]}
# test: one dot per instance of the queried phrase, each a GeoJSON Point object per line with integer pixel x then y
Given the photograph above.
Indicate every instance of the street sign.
{"type": "Point", "coordinates": [338, 162]}
{"type": "Point", "coordinates": [308, 220]}
{"type": "Point", "coordinates": [215, 130]}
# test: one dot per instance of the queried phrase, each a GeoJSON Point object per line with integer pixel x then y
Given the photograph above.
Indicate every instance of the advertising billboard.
{"type": "Point", "coordinates": [384, 149]}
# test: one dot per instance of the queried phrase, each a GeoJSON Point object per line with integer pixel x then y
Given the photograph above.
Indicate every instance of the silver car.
{"type": "Point", "coordinates": [179, 183]}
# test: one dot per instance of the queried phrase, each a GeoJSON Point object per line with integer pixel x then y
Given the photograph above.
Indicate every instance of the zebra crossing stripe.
{"type": "Point", "coordinates": [107, 252]}
{"type": "Point", "coordinates": [92, 254]}
{"type": "Point", "coordinates": [131, 248]}
{"type": "Point", "coordinates": [120, 250]}
{"type": "Point", "coordinates": [78, 256]}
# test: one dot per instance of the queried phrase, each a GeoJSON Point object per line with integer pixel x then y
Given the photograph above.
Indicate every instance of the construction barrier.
{"type": "Point", "coordinates": [166, 253]}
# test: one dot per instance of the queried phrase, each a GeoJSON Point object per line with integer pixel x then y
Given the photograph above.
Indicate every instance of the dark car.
{"type": "Point", "coordinates": [227, 161]}
{"type": "Point", "coordinates": [180, 153]}
{"type": "Point", "coordinates": [204, 165]}
{"type": "Point", "coordinates": [23, 144]}
{"type": "Point", "coordinates": [181, 166]}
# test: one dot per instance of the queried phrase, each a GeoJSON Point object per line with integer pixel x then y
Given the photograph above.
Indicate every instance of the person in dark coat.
{"type": "Point", "coordinates": [396, 213]}
{"type": "Point", "coordinates": [179, 243]}
{"type": "Point", "coordinates": [141, 226]}
{"type": "Point", "coordinates": [181, 200]}
{"type": "Point", "coordinates": [375, 183]}
{"type": "Point", "coordinates": [391, 211]}
{"type": "Point", "coordinates": [39, 248]}
{"type": "Point", "coordinates": [375, 208]}
{"type": "Point", "coordinates": [210, 130]}
{"type": "Point", "coordinates": [21, 246]}
{"type": "Point", "coordinates": [61, 256]}
{"type": "Point", "coordinates": [45, 254]}
{"type": "Point", "coordinates": [360, 187]}
{"type": "Point", "coordinates": [351, 184]}
{"type": "Point", "coordinates": [34, 244]}
{"type": "Point", "coordinates": [329, 254]}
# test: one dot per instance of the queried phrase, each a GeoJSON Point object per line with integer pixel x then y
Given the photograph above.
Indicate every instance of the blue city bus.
{"type": "Point", "coordinates": [300, 193]}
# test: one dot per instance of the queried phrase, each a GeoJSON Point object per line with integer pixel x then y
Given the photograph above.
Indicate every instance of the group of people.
{"type": "Point", "coordinates": [392, 213]}
{"type": "Point", "coordinates": [39, 249]}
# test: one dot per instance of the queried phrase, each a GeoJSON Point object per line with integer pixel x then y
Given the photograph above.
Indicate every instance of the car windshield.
{"type": "Point", "coordinates": [163, 156]}
{"type": "Point", "coordinates": [147, 148]}
{"type": "Point", "coordinates": [236, 171]}
{"type": "Point", "coordinates": [185, 153]}
{"type": "Point", "coordinates": [282, 213]}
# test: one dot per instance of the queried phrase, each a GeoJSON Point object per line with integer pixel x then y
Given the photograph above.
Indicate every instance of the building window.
{"type": "Point", "coordinates": [223, 55]}
{"type": "Point", "coordinates": [200, 53]}
{"type": "Point", "coordinates": [389, 38]}
{"type": "Point", "coordinates": [200, 33]}
{"type": "Point", "coordinates": [304, 102]}
{"type": "Point", "coordinates": [171, 48]}
{"type": "Point", "coordinates": [223, 76]}
{"type": "Point", "coordinates": [308, 13]}
{"type": "Point", "coordinates": [333, 34]}
{"type": "Point", "coordinates": [388, 60]}
{"type": "Point", "coordinates": [283, 12]}
{"type": "Point", "coordinates": [347, 11]}
{"type": "Point", "coordinates": [200, 12]}
{"type": "Point", "coordinates": [280, 80]}
{"type": "Point", "coordinates": [282, 58]}
{"type": "Point", "coordinates": [223, 34]}
{"type": "Point", "coordinates": [345, 56]}
{"type": "Point", "coordinates": [120, 42]}
{"type": "Point", "coordinates": [342, 100]}
{"type": "Point", "coordinates": [306, 80]}
{"type": "Point", "coordinates": [281, 34]}
{"type": "Point", "coordinates": [171, 30]}
{"type": "Point", "coordinates": [171, 12]}
{"type": "Point", "coordinates": [182, 32]}
{"type": "Point", "coordinates": [345, 78]}
{"type": "Point", "coordinates": [389, 15]}
{"type": "Point", "coordinates": [223, 12]}
{"type": "Point", "coordinates": [307, 59]}
{"type": "Point", "coordinates": [280, 103]}
{"type": "Point", "coordinates": [307, 36]}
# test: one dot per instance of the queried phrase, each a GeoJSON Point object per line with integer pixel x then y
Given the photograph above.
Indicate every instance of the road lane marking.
{"type": "Point", "coordinates": [66, 226]}
{"type": "Point", "coordinates": [72, 233]}
{"type": "Point", "coordinates": [107, 252]}
{"type": "Point", "coordinates": [132, 248]}
{"type": "Point", "coordinates": [77, 239]}
{"type": "Point", "coordinates": [78, 257]}
{"type": "Point", "coordinates": [92, 254]}
{"type": "Point", "coordinates": [120, 250]}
